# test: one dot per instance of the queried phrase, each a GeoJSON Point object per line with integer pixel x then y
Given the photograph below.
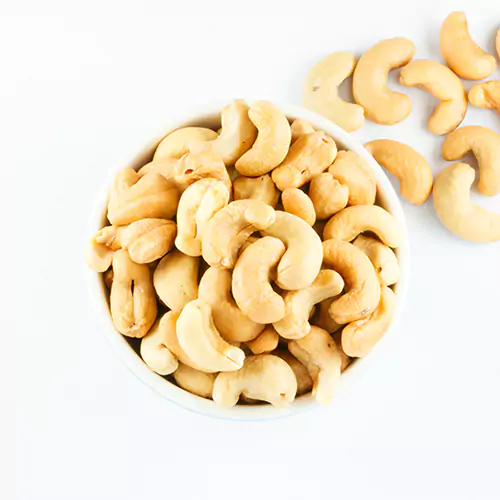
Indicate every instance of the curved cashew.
{"type": "Point", "coordinates": [301, 262]}
{"type": "Point", "coordinates": [300, 127]}
{"type": "Point", "coordinates": [163, 166]}
{"type": "Point", "coordinates": [267, 341]}
{"type": "Point", "coordinates": [195, 381]}
{"type": "Point", "coordinates": [272, 143]}
{"type": "Point", "coordinates": [299, 304]}
{"type": "Point", "coordinates": [461, 53]}
{"type": "Point", "coordinates": [100, 248]}
{"type": "Point", "coordinates": [176, 280]}
{"type": "Point", "coordinates": [363, 287]}
{"type": "Point", "coordinates": [486, 95]}
{"type": "Point", "coordinates": [264, 378]}
{"type": "Point", "coordinates": [132, 298]}
{"type": "Point", "coordinates": [320, 91]}
{"type": "Point", "coordinates": [359, 337]}
{"type": "Point", "coordinates": [252, 289]}
{"type": "Point", "coordinates": [198, 204]}
{"type": "Point", "coordinates": [414, 174]}
{"type": "Point", "coordinates": [256, 188]}
{"type": "Point", "coordinates": [296, 202]}
{"type": "Point", "coordinates": [320, 354]}
{"type": "Point", "coordinates": [230, 321]}
{"type": "Point", "coordinates": [328, 195]}
{"type": "Point", "coordinates": [443, 84]}
{"type": "Point", "coordinates": [155, 352]}
{"type": "Point", "coordinates": [309, 155]}
{"type": "Point", "coordinates": [229, 228]}
{"type": "Point", "coordinates": [180, 142]}
{"type": "Point", "coordinates": [304, 380]}
{"type": "Point", "coordinates": [369, 87]}
{"type": "Point", "coordinates": [382, 257]}
{"type": "Point", "coordinates": [322, 317]}
{"type": "Point", "coordinates": [454, 208]}
{"type": "Point", "coordinates": [485, 145]}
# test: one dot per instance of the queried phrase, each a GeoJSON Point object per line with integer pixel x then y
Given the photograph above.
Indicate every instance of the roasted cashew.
{"type": "Point", "coordinates": [155, 352]}
{"type": "Point", "coordinates": [296, 202]}
{"type": "Point", "coordinates": [272, 143]}
{"type": "Point", "coordinates": [362, 285]}
{"type": "Point", "coordinates": [301, 262]}
{"type": "Point", "coordinates": [256, 188]}
{"type": "Point", "coordinates": [263, 378]}
{"type": "Point", "coordinates": [443, 84]}
{"type": "Point", "coordinates": [320, 92]}
{"type": "Point", "coordinates": [461, 53]}
{"type": "Point", "coordinates": [411, 169]}
{"type": "Point", "coordinates": [300, 127]}
{"type": "Point", "coordinates": [267, 341]}
{"type": "Point", "coordinates": [485, 145]}
{"type": "Point", "coordinates": [300, 303]}
{"type": "Point", "coordinates": [132, 298]}
{"type": "Point", "coordinates": [322, 317]}
{"type": "Point", "coordinates": [454, 208]}
{"type": "Point", "coordinates": [359, 337]}
{"type": "Point", "coordinates": [180, 142]}
{"type": "Point", "coordinates": [369, 87]}
{"type": "Point", "coordinates": [252, 289]}
{"type": "Point", "coordinates": [163, 166]}
{"type": "Point", "coordinates": [309, 155]}
{"type": "Point", "coordinates": [327, 195]}
{"type": "Point", "coordinates": [351, 221]}
{"type": "Point", "coordinates": [304, 380]}
{"type": "Point", "coordinates": [100, 248]}
{"type": "Point", "coordinates": [195, 381]}
{"type": "Point", "coordinates": [229, 228]}
{"type": "Point", "coordinates": [319, 352]}
{"type": "Point", "coordinates": [486, 95]}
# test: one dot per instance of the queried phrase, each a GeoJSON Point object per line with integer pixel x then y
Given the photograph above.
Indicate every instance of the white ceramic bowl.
{"type": "Point", "coordinates": [210, 117]}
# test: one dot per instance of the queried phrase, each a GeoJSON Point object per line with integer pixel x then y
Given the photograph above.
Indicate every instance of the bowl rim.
{"type": "Point", "coordinates": [159, 384]}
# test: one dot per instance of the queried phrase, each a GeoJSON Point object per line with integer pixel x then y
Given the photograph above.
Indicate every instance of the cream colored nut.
{"type": "Point", "coordinates": [195, 381]}
{"type": "Point", "coordinates": [180, 142]}
{"type": "Point", "coordinates": [132, 298]}
{"type": "Point", "coordinates": [320, 92]}
{"type": "Point", "coordinates": [309, 155]}
{"type": "Point", "coordinates": [264, 378]}
{"type": "Point", "coordinates": [322, 317]}
{"type": "Point", "coordinates": [163, 166]}
{"type": "Point", "coordinates": [299, 304]}
{"type": "Point", "coordinates": [198, 204]}
{"type": "Point", "coordinates": [123, 181]}
{"type": "Point", "coordinates": [176, 280]}
{"type": "Point", "coordinates": [300, 127]}
{"type": "Point", "coordinates": [351, 221]}
{"type": "Point", "coordinates": [251, 285]}
{"type": "Point", "coordinates": [486, 95]}
{"type": "Point", "coordinates": [296, 202]}
{"type": "Point", "coordinates": [358, 273]}
{"type": "Point", "coordinates": [272, 143]}
{"type": "Point", "coordinates": [327, 195]}
{"type": "Point", "coordinates": [100, 248]}
{"type": "Point", "coordinates": [353, 172]}
{"type": "Point", "coordinates": [256, 188]}
{"type": "Point", "coordinates": [320, 354]}
{"type": "Point", "coordinates": [301, 262]}
{"type": "Point", "coordinates": [267, 341]}
{"type": "Point", "coordinates": [359, 337]}
{"type": "Point", "coordinates": [454, 208]}
{"type": "Point", "coordinates": [229, 228]}
{"type": "Point", "coordinates": [382, 105]}
{"type": "Point", "coordinates": [304, 380]}
{"type": "Point", "coordinates": [230, 321]}
{"type": "Point", "coordinates": [238, 133]}
{"type": "Point", "coordinates": [461, 53]}
{"type": "Point", "coordinates": [382, 257]}
{"type": "Point", "coordinates": [443, 84]}
{"type": "Point", "coordinates": [345, 359]}
{"type": "Point", "coordinates": [155, 352]}
{"type": "Point", "coordinates": [485, 145]}
{"type": "Point", "coordinates": [411, 169]}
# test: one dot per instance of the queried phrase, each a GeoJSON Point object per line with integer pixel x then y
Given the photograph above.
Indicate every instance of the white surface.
{"type": "Point", "coordinates": [81, 89]}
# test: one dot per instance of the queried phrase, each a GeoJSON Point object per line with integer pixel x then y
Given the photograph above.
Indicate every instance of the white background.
{"type": "Point", "coordinates": [83, 85]}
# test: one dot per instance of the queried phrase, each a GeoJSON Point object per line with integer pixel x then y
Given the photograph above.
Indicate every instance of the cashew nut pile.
{"type": "Point", "coordinates": [240, 291]}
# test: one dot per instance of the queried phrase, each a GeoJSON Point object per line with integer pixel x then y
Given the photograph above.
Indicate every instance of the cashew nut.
{"type": "Point", "coordinates": [195, 381]}
{"type": "Point", "coordinates": [272, 143]}
{"type": "Point", "coordinates": [345, 359]}
{"type": "Point", "coordinates": [132, 298]}
{"type": "Point", "coordinates": [309, 155]}
{"type": "Point", "coordinates": [486, 95]}
{"type": "Point", "coordinates": [318, 351]}
{"type": "Point", "coordinates": [252, 289]}
{"type": "Point", "coordinates": [358, 273]}
{"type": "Point", "coordinates": [304, 380]}
{"type": "Point", "coordinates": [443, 84]}
{"type": "Point", "coordinates": [180, 142]}
{"type": "Point", "coordinates": [411, 169]}
{"type": "Point", "coordinates": [369, 87]}
{"type": "Point", "coordinates": [322, 317]}
{"type": "Point", "coordinates": [296, 202]}
{"type": "Point", "coordinates": [301, 262]}
{"type": "Point", "coordinates": [461, 53]}
{"type": "Point", "coordinates": [320, 92]}
{"type": "Point", "coordinates": [100, 248]}
{"type": "Point", "coordinates": [351, 221]}
{"type": "Point", "coordinates": [163, 166]}
{"type": "Point", "coordinates": [485, 145]}
{"type": "Point", "coordinates": [256, 188]}
{"type": "Point", "coordinates": [299, 304]}
{"type": "Point", "coordinates": [359, 337]}
{"type": "Point", "coordinates": [155, 352]}
{"type": "Point", "coordinates": [176, 280]}
{"type": "Point", "coordinates": [229, 228]}
{"type": "Point", "coordinates": [454, 208]}
{"type": "Point", "coordinates": [108, 278]}
{"type": "Point", "coordinates": [267, 341]}
{"type": "Point", "coordinates": [300, 127]}
{"type": "Point", "coordinates": [264, 377]}
{"type": "Point", "coordinates": [327, 195]}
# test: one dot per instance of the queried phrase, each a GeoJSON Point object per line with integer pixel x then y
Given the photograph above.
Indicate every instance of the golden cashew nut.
{"type": "Point", "coordinates": [155, 352]}
{"type": "Point", "coordinates": [486, 95]}
{"type": "Point", "coordinates": [323, 318]}
{"type": "Point", "coordinates": [267, 341]}
{"type": "Point", "coordinates": [300, 127]}
{"type": "Point", "coordinates": [180, 142]}
{"type": "Point", "coordinates": [304, 380]}
{"type": "Point", "coordinates": [296, 202]}
{"type": "Point", "coordinates": [163, 166]}
{"type": "Point", "coordinates": [328, 196]}
{"type": "Point", "coordinates": [320, 92]}
{"type": "Point", "coordinates": [100, 248]}
{"type": "Point", "coordinates": [256, 188]}
{"type": "Point", "coordinates": [195, 381]}
{"type": "Point", "coordinates": [370, 90]}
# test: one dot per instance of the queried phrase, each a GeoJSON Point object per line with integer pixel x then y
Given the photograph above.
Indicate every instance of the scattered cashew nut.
{"type": "Point", "coordinates": [328, 196]}
{"type": "Point", "coordinates": [300, 127]}
{"type": "Point", "coordinates": [180, 142]}
{"type": "Point", "coordinates": [296, 202]}
{"type": "Point", "coordinates": [195, 381]}
{"type": "Point", "coordinates": [267, 341]}
{"type": "Point", "coordinates": [486, 95]}
{"type": "Point", "coordinates": [155, 352]}
{"type": "Point", "coordinates": [256, 188]}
